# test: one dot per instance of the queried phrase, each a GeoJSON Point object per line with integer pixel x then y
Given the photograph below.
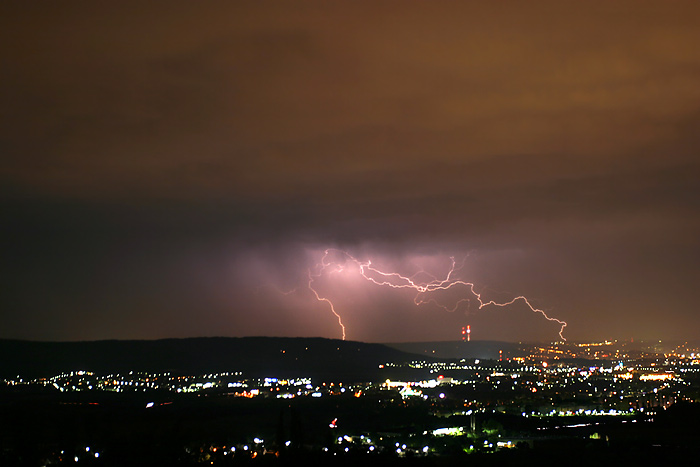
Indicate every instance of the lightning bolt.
{"type": "Point", "coordinates": [321, 267]}
{"type": "Point", "coordinates": [258, 290]}
{"type": "Point", "coordinates": [398, 281]}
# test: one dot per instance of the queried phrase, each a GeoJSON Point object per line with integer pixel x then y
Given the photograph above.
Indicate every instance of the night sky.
{"type": "Point", "coordinates": [177, 169]}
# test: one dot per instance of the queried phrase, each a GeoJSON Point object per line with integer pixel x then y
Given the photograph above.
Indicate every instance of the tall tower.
{"type": "Point", "coordinates": [466, 333]}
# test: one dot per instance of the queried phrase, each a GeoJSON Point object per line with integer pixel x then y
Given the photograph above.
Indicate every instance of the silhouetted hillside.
{"type": "Point", "coordinates": [460, 349]}
{"type": "Point", "coordinates": [256, 356]}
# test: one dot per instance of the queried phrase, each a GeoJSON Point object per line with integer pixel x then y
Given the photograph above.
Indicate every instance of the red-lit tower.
{"type": "Point", "coordinates": [466, 333]}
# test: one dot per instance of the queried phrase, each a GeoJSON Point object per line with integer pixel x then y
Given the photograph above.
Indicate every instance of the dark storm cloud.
{"type": "Point", "coordinates": [276, 99]}
{"type": "Point", "coordinates": [155, 154]}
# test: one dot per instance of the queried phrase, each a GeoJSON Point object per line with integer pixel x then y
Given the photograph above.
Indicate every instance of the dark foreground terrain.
{"type": "Point", "coordinates": [120, 409]}
{"type": "Point", "coordinates": [42, 427]}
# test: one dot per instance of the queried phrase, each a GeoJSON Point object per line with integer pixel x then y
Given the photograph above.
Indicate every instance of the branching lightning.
{"type": "Point", "coordinates": [395, 280]}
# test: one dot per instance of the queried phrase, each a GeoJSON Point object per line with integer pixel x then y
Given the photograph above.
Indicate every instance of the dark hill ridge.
{"type": "Point", "coordinates": [461, 349]}
{"type": "Point", "coordinates": [255, 356]}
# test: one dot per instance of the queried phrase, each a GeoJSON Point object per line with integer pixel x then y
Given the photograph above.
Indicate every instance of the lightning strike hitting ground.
{"type": "Point", "coordinates": [394, 280]}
